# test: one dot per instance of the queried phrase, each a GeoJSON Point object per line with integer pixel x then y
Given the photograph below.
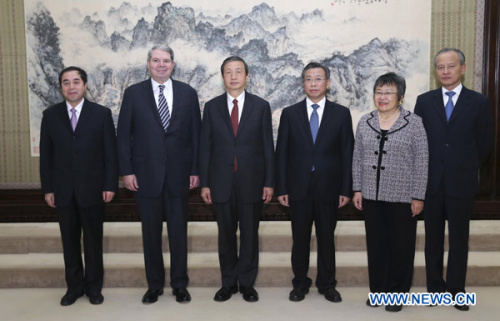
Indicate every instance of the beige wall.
{"type": "Point", "coordinates": [453, 24]}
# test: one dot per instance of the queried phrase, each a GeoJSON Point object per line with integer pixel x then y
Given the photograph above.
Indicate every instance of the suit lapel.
{"type": "Point", "coordinates": [64, 116]}
{"type": "Point", "coordinates": [247, 111]}
{"type": "Point", "coordinates": [176, 99]}
{"type": "Point", "coordinates": [304, 121]}
{"type": "Point", "coordinates": [149, 99]}
{"type": "Point", "coordinates": [221, 105]}
{"type": "Point", "coordinates": [85, 115]}
{"type": "Point", "coordinates": [461, 105]}
{"type": "Point", "coordinates": [438, 105]}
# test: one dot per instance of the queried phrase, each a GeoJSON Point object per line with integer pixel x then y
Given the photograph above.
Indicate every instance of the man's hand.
{"type": "Point", "coordinates": [194, 181]}
{"type": "Point", "coordinates": [343, 200]}
{"type": "Point", "coordinates": [205, 195]}
{"type": "Point", "coordinates": [267, 194]}
{"type": "Point", "coordinates": [107, 196]}
{"type": "Point", "coordinates": [50, 199]}
{"type": "Point", "coordinates": [284, 200]}
{"type": "Point", "coordinates": [130, 182]}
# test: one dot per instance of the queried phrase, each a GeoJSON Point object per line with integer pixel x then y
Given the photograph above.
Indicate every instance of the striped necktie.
{"type": "Point", "coordinates": [163, 109]}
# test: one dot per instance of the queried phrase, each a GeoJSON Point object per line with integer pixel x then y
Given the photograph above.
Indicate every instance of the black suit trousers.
{"type": "Point", "coordinates": [324, 215]}
{"type": "Point", "coordinates": [390, 241]}
{"type": "Point", "coordinates": [72, 220]}
{"type": "Point", "coordinates": [457, 211]}
{"type": "Point", "coordinates": [239, 269]}
{"type": "Point", "coordinates": [153, 211]}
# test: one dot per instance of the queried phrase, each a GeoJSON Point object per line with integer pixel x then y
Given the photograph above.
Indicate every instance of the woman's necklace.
{"type": "Point", "coordinates": [388, 118]}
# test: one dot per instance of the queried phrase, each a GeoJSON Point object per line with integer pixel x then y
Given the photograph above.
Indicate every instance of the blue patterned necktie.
{"type": "Point", "coordinates": [314, 122]}
{"type": "Point", "coordinates": [449, 105]}
{"type": "Point", "coordinates": [163, 109]}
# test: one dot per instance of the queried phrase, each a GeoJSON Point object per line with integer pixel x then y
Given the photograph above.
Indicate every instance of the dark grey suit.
{"type": "Point", "coordinates": [162, 163]}
{"type": "Point", "coordinates": [77, 167]}
{"type": "Point", "coordinates": [456, 150]}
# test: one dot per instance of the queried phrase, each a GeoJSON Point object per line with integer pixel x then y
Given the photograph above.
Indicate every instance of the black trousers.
{"type": "Point", "coordinates": [457, 210]}
{"type": "Point", "coordinates": [390, 241]}
{"type": "Point", "coordinates": [153, 211]}
{"type": "Point", "coordinates": [72, 220]}
{"type": "Point", "coordinates": [239, 269]}
{"type": "Point", "coordinates": [324, 215]}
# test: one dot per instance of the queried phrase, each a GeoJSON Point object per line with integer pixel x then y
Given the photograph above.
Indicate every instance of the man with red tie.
{"type": "Point", "coordinates": [237, 175]}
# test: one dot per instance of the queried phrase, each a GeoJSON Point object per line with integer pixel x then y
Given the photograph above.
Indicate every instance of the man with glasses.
{"type": "Point", "coordinates": [313, 165]}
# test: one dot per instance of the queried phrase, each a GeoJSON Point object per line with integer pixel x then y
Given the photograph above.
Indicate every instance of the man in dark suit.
{"type": "Point", "coordinates": [79, 173]}
{"type": "Point", "coordinates": [313, 165]}
{"type": "Point", "coordinates": [158, 133]}
{"type": "Point", "coordinates": [460, 134]}
{"type": "Point", "coordinates": [236, 175]}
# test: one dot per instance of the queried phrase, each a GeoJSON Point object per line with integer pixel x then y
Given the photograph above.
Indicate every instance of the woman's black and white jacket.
{"type": "Point", "coordinates": [404, 159]}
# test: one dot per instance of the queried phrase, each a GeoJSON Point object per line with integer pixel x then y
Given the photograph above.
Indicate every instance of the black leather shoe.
{"type": "Point", "coordinates": [95, 298]}
{"type": "Point", "coordinates": [225, 293]}
{"type": "Point", "coordinates": [151, 296]}
{"type": "Point", "coordinates": [462, 307]}
{"type": "Point", "coordinates": [298, 294]}
{"type": "Point", "coordinates": [371, 305]}
{"type": "Point", "coordinates": [249, 294]}
{"type": "Point", "coordinates": [393, 308]}
{"type": "Point", "coordinates": [181, 295]}
{"type": "Point", "coordinates": [331, 294]}
{"type": "Point", "coordinates": [69, 298]}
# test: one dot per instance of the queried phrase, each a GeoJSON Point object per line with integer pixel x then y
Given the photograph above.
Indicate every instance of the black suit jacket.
{"type": "Point", "coordinates": [331, 155]}
{"type": "Point", "coordinates": [456, 147]}
{"type": "Point", "coordinates": [83, 162]}
{"type": "Point", "coordinates": [252, 146]}
{"type": "Point", "coordinates": [144, 149]}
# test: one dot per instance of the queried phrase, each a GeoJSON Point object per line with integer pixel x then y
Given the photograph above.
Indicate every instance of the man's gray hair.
{"type": "Point", "coordinates": [461, 56]}
{"type": "Point", "coordinates": [165, 48]}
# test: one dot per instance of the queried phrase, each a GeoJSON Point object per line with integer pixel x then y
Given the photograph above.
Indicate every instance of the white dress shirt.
{"type": "Point", "coordinates": [78, 110]}
{"type": "Point", "coordinates": [457, 90]}
{"type": "Point", "coordinates": [241, 101]}
{"type": "Point", "coordinates": [167, 92]}
{"type": "Point", "coordinates": [320, 109]}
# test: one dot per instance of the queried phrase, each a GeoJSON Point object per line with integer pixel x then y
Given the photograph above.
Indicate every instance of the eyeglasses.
{"type": "Point", "coordinates": [311, 80]}
{"type": "Point", "coordinates": [386, 94]}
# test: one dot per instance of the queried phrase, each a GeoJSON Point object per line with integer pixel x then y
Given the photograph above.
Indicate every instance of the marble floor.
{"type": "Point", "coordinates": [124, 304]}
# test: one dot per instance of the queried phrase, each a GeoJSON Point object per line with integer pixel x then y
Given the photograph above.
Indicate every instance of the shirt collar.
{"type": "Point", "coordinates": [240, 98]}
{"type": "Point", "coordinates": [167, 84]}
{"type": "Point", "coordinates": [321, 103]}
{"type": "Point", "coordinates": [78, 107]}
{"type": "Point", "coordinates": [457, 90]}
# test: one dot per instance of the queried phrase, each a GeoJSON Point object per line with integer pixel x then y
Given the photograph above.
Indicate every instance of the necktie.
{"type": "Point", "coordinates": [314, 122]}
{"type": "Point", "coordinates": [234, 122]}
{"type": "Point", "coordinates": [74, 120]}
{"type": "Point", "coordinates": [163, 109]}
{"type": "Point", "coordinates": [449, 105]}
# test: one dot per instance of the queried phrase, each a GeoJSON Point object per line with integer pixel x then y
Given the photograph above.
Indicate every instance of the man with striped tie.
{"type": "Point", "coordinates": [158, 132]}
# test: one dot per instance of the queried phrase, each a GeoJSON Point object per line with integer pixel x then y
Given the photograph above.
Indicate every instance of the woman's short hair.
{"type": "Point", "coordinates": [391, 78]}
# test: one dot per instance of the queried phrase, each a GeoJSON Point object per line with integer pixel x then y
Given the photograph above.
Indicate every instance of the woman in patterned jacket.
{"type": "Point", "coordinates": [389, 181]}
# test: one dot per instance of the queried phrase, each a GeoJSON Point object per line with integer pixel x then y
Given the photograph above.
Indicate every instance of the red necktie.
{"type": "Point", "coordinates": [234, 121]}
